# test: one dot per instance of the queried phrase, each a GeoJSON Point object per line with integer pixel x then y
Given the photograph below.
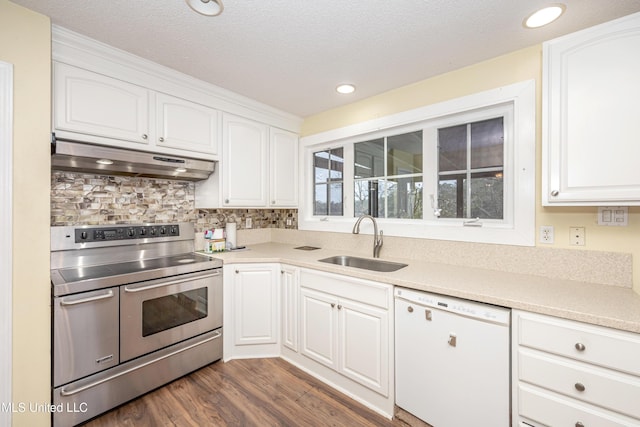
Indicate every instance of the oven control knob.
{"type": "Point", "coordinates": [152, 231]}
{"type": "Point", "coordinates": [173, 230]}
{"type": "Point", "coordinates": [143, 231]}
{"type": "Point", "coordinates": [83, 235]}
{"type": "Point", "coordinates": [131, 232]}
{"type": "Point", "coordinates": [163, 230]}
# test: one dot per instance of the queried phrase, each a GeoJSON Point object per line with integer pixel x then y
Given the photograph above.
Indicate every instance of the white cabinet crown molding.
{"type": "Point", "coordinates": [75, 49]}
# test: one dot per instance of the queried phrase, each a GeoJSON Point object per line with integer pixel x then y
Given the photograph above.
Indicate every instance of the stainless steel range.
{"type": "Point", "coordinates": [133, 308]}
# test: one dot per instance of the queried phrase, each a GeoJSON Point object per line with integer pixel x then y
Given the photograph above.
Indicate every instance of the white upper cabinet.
{"type": "Point", "coordinates": [186, 125]}
{"type": "Point", "coordinates": [259, 167]}
{"type": "Point", "coordinates": [591, 100]}
{"type": "Point", "coordinates": [283, 166]}
{"type": "Point", "coordinates": [95, 108]}
{"type": "Point", "coordinates": [93, 104]}
{"type": "Point", "coordinates": [245, 162]}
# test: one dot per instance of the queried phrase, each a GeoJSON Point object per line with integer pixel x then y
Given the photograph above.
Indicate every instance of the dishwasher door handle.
{"type": "Point", "coordinates": [452, 340]}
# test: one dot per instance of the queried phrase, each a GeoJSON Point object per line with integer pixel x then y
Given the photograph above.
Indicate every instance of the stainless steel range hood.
{"type": "Point", "coordinates": [97, 159]}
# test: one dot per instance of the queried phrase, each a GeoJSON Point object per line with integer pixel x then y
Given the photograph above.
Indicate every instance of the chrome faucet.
{"type": "Point", "coordinates": [377, 240]}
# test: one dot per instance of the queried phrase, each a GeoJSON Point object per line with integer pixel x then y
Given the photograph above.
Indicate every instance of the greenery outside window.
{"type": "Point", "coordinates": [388, 176]}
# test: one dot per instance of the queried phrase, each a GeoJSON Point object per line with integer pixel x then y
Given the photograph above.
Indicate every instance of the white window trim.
{"type": "Point", "coordinates": [519, 229]}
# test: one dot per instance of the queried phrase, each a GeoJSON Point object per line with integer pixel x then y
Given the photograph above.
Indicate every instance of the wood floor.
{"type": "Point", "coordinates": [251, 392]}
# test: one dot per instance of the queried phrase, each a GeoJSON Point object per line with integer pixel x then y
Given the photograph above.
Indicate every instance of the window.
{"type": "Point", "coordinates": [471, 170]}
{"type": "Point", "coordinates": [459, 170]}
{"type": "Point", "coordinates": [388, 176]}
{"type": "Point", "coordinates": [328, 168]}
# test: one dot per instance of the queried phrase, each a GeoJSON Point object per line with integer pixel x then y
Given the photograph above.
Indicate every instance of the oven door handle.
{"type": "Point", "coordinates": [138, 288]}
{"type": "Point", "coordinates": [109, 294]}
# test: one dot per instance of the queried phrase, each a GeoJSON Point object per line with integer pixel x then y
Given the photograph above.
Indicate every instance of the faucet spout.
{"type": "Point", "coordinates": [377, 239]}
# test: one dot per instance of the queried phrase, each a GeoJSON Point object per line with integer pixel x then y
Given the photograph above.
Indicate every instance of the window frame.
{"type": "Point", "coordinates": [518, 225]}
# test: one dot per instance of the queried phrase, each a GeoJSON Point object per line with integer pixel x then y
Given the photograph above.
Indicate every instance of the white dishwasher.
{"type": "Point", "coordinates": [452, 360]}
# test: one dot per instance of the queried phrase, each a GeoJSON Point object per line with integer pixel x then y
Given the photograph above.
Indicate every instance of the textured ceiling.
{"type": "Point", "coordinates": [291, 54]}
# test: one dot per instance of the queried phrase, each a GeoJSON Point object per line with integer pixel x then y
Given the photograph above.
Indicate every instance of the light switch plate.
{"type": "Point", "coordinates": [613, 216]}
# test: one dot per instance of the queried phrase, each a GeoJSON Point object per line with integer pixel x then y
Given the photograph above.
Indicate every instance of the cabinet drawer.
{"type": "Point", "coordinates": [609, 389]}
{"type": "Point", "coordinates": [601, 346]}
{"type": "Point", "coordinates": [553, 410]}
{"type": "Point", "coordinates": [372, 293]}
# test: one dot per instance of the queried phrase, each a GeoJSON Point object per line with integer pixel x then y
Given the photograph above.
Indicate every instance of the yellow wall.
{"type": "Point", "coordinates": [517, 66]}
{"type": "Point", "coordinates": [25, 41]}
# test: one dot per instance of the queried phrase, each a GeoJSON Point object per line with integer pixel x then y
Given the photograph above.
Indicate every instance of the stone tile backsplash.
{"type": "Point", "coordinates": [80, 199]}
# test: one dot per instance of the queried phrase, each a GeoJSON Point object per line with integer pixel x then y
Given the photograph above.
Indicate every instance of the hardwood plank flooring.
{"type": "Point", "coordinates": [249, 392]}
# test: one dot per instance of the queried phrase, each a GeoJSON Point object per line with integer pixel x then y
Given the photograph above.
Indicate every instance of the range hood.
{"type": "Point", "coordinates": [98, 159]}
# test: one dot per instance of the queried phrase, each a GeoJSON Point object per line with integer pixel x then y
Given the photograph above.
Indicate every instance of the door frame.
{"type": "Point", "coordinates": [6, 231]}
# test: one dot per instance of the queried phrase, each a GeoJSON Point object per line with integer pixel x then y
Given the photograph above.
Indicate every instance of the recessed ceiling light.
{"type": "Point", "coordinates": [181, 170]}
{"type": "Point", "coordinates": [345, 88]}
{"type": "Point", "coordinates": [206, 7]}
{"type": "Point", "coordinates": [104, 162]}
{"type": "Point", "coordinates": [544, 16]}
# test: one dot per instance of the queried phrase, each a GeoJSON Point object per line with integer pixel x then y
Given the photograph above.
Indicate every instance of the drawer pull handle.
{"type": "Point", "coordinates": [428, 315]}
{"type": "Point", "coordinates": [579, 424]}
{"type": "Point", "coordinates": [580, 347]}
{"type": "Point", "coordinates": [580, 387]}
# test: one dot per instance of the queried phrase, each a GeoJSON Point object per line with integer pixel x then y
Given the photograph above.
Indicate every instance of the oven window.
{"type": "Point", "coordinates": [173, 310]}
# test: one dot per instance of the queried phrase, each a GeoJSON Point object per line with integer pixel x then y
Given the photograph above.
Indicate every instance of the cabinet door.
{"type": "Point", "coordinates": [93, 104]}
{"type": "Point", "coordinates": [289, 319]}
{"type": "Point", "coordinates": [245, 162]}
{"type": "Point", "coordinates": [186, 125]}
{"type": "Point", "coordinates": [283, 152]}
{"type": "Point", "coordinates": [319, 327]}
{"type": "Point", "coordinates": [255, 304]}
{"type": "Point", "coordinates": [591, 96]}
{"type": "Point", "coordinates": [364, 345]}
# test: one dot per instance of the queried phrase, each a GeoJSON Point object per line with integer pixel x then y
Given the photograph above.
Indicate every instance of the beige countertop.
{"type": "Point", "coordinates": [604, 305]}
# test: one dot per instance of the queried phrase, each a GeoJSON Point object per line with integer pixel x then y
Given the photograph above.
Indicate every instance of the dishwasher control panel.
{"type": "Point", "coordinates": [462, 307]}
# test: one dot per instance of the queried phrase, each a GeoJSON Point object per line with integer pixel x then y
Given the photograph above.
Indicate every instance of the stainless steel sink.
{"type": "Point", "coordinates": [365, 263]}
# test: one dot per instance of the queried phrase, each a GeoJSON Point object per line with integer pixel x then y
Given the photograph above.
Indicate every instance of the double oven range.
{"type": "Point", "coordinates": [133, 308]}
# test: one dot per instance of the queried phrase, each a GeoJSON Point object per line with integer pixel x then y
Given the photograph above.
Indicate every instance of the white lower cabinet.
{"type": "Point", "coordinates": [346, 336]}
{"type": "Point", "coordinates": [252, 318]}
{"type": "Point", "coordinates": [337, 328]}
{"type": "Point", "coordinates": [574, 374]}
{"type": "Point", "coordinates": [289, 288]}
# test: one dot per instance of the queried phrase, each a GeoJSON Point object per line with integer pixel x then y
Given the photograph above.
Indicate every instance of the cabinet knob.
{"type": "Point", "coordinates": [333, 304]}
{"type": "Point", "coordinates": [410, 309]}
{"type": "Point", "coordinates": [144, 136]}
{"type": "Point", "coordinates": [339, 307]}
{"type": "Point", "coordinates": [579, 424]}
{"type": "Point", "coordinates": [237, 271]}
{"type": "Point", "coordinates": [281, 271]}
{"type": "Point", "coordinates": [580, 387]}
{"type": "Point", "coordinates": [555, 193]}
{"type": "Point", "coordinates": [161, 139]}
{"type": "Point", "coordinates": [580, 347]}
{"type": "Point", "coordinates": [226, 200]}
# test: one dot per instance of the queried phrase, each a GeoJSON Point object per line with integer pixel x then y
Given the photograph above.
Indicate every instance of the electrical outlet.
{"type": "Point", "coordinates": [577, 236]}
{"type": "Point", "coordinates": [546, 234]}
{"type": "Point", "coordinates": [248, 223]}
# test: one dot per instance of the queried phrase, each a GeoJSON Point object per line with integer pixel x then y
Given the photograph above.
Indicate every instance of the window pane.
{"type": "Point", "coordinates": [452, 148]}
{"type": "Point", "coordinates": [403, 198]}
{"type": "Point", "coordinates": [452, 196]}
{"type": "Point", "coordinates": [321, 166]}
{"type": "Point", "coordinates": [361, 198]}
{"type": "Point", "coordinates": [487, 142]}
{"type": "Point", "coordinates": [487, 195]}
{"type": "Point", "coordinates": [320, 206]}
{"type": "Point", "coordinates": [369, 158]}
{"type": "Point", "coordinates": [404, 154]}
{"type": "Point", "coordinates": [335, 195]}
{"type": "Point", "coordinates": [337, 163]}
